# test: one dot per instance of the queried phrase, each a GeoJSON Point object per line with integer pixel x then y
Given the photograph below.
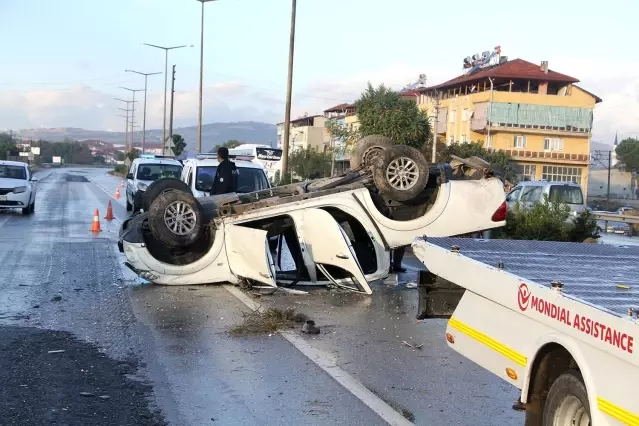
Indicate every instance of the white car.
{"type": "Point", "coordinates": [198, 173]}
{"type": "Point", "coordinates": [17, 187]}
{"type": "Point", "coordinates": [144, 171]}
{"type": "Point", "coordinates": [335, 230]}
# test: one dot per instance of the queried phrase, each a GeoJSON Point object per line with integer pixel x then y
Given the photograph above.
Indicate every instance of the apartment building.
{"type": "Point", "coordinates": [305, 132]}
{"type": "Point", "coordinates": [344, 115]}
{"type": "Point", "coordinates": [538, 116]}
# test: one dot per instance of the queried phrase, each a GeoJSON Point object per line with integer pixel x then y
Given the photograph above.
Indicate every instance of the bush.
{"type": "Point", "coordinates": [548, 221]}
{"type": "Point", "coordinates": [120, 168]}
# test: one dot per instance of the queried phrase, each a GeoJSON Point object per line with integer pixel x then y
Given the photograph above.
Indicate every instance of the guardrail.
{"type": "Point", "coordinates": [611, 217]}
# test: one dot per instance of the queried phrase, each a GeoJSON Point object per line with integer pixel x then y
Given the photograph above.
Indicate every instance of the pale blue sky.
{"type": "Point", "coordinates": [64, 60]}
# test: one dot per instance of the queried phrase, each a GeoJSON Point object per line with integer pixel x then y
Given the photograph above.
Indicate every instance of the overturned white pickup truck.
{"type": "Point", "coordinates": [336, 230]}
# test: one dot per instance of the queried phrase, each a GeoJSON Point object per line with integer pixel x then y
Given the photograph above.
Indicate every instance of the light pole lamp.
{"type": "Point", "coordinates": [199, 114]}
{"type": "Point", "coordinates": [166, 71]}
{"type": "Point", "coordinates": [146, 75]}
{"type": "Point", "coordinates": [132, 114]}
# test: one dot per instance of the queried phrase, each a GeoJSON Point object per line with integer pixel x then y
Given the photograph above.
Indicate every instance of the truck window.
{"type": "Point", "coordinates": [514, 194]}
{"type": "Point", "coordinates": [531, 194]}
{"type": "Point", "coordinates": [566, 194]}
{"type": "Point", "coordinates": [156, 171]}
{"type": "Point", "coordinates": [249, 179]}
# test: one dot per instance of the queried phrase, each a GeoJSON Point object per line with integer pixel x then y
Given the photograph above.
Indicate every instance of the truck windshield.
{"type": "Point", "coordinates": [13, 172]}
{"type": "Point", "coordinates": [249, 179]}
{"type": "Point", "coordinates": [566, 194]}
{"type": "Point", "coordinates": [148, 171]}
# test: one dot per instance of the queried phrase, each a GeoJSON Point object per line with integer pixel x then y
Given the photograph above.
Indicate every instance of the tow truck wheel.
{"type": "Point", "coordinates": [567, 402]}
{"type": "Point", "coordinates": [161, 186]}
{"type": "Point", "coordinates": [175, 219]}
{"type": "Point", "coordinates": [400, 173]}
{"type": "Point", "coordinates": [368, 148]}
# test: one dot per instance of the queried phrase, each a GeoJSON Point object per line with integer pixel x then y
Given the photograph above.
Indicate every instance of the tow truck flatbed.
{"type": "Point", "coordinates": [557, 320]}
{"type": "Point", "coordinates": [604, 276]}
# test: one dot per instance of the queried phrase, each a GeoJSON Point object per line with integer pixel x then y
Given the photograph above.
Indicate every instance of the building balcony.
{"type": "Point", "coordinates": [528, 129]}
{"type": "Point", "coordinates": [545, 156]}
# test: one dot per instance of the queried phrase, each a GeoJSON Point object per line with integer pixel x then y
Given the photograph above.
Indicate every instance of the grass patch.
{"type": "Point", "coordinates": [268, 321]}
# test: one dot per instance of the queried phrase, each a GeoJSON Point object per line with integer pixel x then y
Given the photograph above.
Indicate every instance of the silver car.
{"type": "Point", "coordinates": [531, 192]}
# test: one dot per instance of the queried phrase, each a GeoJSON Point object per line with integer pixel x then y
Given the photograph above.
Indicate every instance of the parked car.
{"type": "Point", "coordinates": [144, 171]}
{"type": "Point", "coordinates": [17, 187]}
{"type": "Point", "coordinates": [335, 230]}
{"type": "Point", "coordinates": [198, 173]}
{"type": "Point", "coordinates": [530, 192]}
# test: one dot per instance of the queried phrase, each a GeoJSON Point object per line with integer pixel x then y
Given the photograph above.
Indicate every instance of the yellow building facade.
{"type": "Point", "coordinates": [538, 116]}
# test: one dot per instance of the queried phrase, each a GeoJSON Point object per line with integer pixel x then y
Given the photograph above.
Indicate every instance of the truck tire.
{"type": "Point", "coordinates": [400, 173]}
{"type": "Point", "coordinates": [567, 401]}
{"type": "Point", "coordinates": [367, 148]}
{"type": "Point", "coordinates": [175, 219]}
{"type": "Point", "coordinates": [159, 187]}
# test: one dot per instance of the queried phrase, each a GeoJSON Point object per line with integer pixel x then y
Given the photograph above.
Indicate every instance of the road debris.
{"type": "Point", "coordinates": [404, 342]}
{"type": "Point", "coordinates": [623, 286]}
{"type": "Point", "coordinates": [268, 321]}
{"type": "Point", "coordinates": [411, 284]}
{"type": "Point", "coordinates": [87, 394]}
{"type": "Point", "coordinates": [309, 327]}
{"type": "Point", "coordinates": [57, 351]}
{"type": "Point", "coordinates": [56, 298]}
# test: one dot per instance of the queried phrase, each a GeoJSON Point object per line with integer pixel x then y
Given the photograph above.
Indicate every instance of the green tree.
{"type": "Point", "coordinates": [310, 163]}
{"type": "Point", "coordinates": [178, 144]}
{"type": "Point", "coordinates": [382, 111]}
{"type": "Point", "coordinates": [7, 145]}
{"type": "Point", "coordinates": [501, 162]}
{"type": "Point", "coordinates": [628, 153]}
{"type": "Point", "coordinates": [133, 154]}
{"type": "Point", "coordinates": [231, 143]}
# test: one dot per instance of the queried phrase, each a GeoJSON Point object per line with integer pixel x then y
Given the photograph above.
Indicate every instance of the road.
{"type": "Point", "coordinates": [164, 354]}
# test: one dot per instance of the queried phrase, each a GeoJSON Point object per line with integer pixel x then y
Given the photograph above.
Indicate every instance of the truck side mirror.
{"type": "Point", "coordinates": [129, 175]}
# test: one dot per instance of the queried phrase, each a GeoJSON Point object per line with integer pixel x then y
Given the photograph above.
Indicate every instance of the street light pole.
{"type": "Point", "coordinates": [132, 115]}
{"type": "Point", "coordinates": [289, 88]}
{"type": "Point", "coordinates": [126, 130]}
{"type": "Point", "coordinates": [199, 114]}
{"type": "Point", "coordinates": [146, 75]}
{"type": "Point", "coordinates": [166, 70]}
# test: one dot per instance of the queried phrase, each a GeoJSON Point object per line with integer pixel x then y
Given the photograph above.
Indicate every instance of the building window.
{"type": "Point", "coordinates": [553, 144]}
{"type": "Point", "coordinates": [519, 142]}
{"type": "Point", "coordinates": [528, 172]}
{"type": "Point", "coordinates": [465, 114]}
{"type": "Point", "coordinates": [451, 139]}
{"type": "Point", "coordinates": [453, 116]}
{"type": "Point", "coordinates": [463, 139]}
{"type": "Point", "coordinates": [561, 174]}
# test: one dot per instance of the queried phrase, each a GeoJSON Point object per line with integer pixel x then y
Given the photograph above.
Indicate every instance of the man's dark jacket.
{"type": "Point", "coordinates": [225, 178]}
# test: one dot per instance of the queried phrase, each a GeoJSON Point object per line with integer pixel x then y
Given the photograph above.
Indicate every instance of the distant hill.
{"type": "Point", "coordinates": [212, 134]}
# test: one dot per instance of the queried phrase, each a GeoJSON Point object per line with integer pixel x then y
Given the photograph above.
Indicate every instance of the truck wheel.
{"type": "Point", "coordinates": [567, 402]}
{"type": "Point", "coordinates": [161, 186]}
{"type": "Point", "coordinates": [175, 219]}
{"type": "Point", "coordinates": [367, 148]}
{"type": "Point", "coordinates": [400, 173]}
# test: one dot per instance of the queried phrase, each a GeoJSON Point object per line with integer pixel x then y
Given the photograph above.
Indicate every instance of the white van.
{"type": "Point", "coordinates": [531, 192]}
{"type": "Point", "coordinates": [198, 173]}
{"type": "Point", "coordinates": [143, 172]}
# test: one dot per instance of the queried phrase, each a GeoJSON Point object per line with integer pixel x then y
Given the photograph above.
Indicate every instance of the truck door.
{"type": "Point", "coordinates": [248, 254]}
{"type": "Point", "coordinates": [329, 247]}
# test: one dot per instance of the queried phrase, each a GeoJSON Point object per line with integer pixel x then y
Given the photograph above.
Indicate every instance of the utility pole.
{"type": "Point", "coordinates": [289, 89]}
{"type": "Point", "coordinates": [126, 132]}
{"type": "Point", "coordinates": [436, 103]}
{"type": "Point", "coordinates": [609, 167]}
{"type": "Point", "coordinates": [599, 157]}
{"type": "Point", "coordinates": [132, 114]}
{"type": "Point", "coordinates": [170, 141]}
{"type": "Point", "coordinates": [146, 75]}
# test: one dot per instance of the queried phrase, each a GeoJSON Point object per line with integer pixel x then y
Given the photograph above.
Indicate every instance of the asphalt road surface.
{"type": "Point", "coordinates": [83, 342]}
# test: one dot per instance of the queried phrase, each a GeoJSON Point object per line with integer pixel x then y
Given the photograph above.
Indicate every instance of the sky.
{"type": "Point", "coordinates": [64, 61]}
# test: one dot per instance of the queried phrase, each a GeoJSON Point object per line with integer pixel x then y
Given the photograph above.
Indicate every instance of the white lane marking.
{"type": "Point", "coordinates": [328, 363]}
{"type": "Point", "coordinates": [2, 222]}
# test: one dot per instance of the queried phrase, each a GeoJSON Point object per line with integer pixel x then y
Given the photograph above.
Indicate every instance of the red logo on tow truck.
{"type": "Point", "coordinates": [523, 296]}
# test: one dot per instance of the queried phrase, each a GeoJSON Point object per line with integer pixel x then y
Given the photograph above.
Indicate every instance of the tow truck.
{"type": "Point", "coordinates": [556, 320]}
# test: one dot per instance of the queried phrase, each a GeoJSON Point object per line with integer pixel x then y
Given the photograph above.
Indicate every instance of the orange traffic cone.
{"type": "Point", "coordinates": [117, 193]}
{"type": "Point", "coordinates": [95, 227]}
{"type": "Point", "coordinates": [109, 215]}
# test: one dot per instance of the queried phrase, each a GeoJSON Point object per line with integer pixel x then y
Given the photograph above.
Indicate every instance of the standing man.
{"type": "Point", "coordinates": [226, 175]}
